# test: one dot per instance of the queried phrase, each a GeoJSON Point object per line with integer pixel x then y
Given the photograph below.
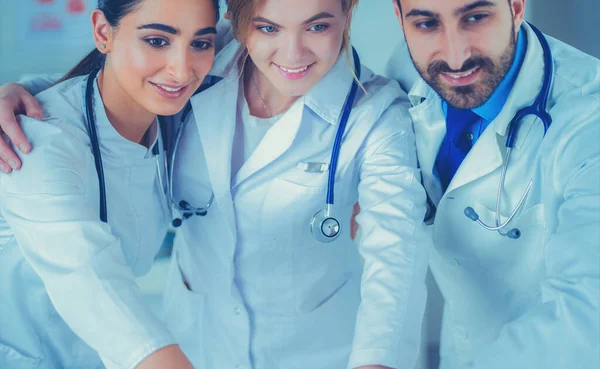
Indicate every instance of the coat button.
{"type": "Point", "coordinates": [237, 310]}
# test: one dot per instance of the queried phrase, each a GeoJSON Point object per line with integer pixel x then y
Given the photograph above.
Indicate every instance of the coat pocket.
{"type": "Point", "coordinates": [184, 314]}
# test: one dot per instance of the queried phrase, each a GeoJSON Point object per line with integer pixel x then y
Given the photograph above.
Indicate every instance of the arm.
{"type": "Point", "coordinates": [563, 330]}
{"type": "Point", "coordinates": [77, 256]}
{"type": "Point", "coordinates": [393, 244]}
{"type": "Point", "coordinates": [18, 99]}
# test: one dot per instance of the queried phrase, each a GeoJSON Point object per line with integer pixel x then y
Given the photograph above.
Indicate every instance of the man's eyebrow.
{"type": "Point", "coordinates": [321, 15]}
{"type": "Point", "coordinates": [265, 20]}
{"type": "Point", "coordinates": [422, 13]}
{"type": "Point", "coordinates": [475, 5]}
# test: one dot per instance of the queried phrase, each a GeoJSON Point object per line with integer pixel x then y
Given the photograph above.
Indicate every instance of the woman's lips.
{"type": "Point", "coordinates": [294, 73]}
{"type": "Point", "coordinates": [170, 91]}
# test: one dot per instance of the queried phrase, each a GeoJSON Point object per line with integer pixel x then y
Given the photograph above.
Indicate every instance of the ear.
{"type": "Point", "coordinates": [102, 31]}
{"type": "Point", "coordinates": [518, 10]}
{"type": "Point", "coordinates": [398, 12]}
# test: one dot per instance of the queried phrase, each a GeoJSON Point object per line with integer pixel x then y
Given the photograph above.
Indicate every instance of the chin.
{"type": "Point", "coordinates": [166, 108]}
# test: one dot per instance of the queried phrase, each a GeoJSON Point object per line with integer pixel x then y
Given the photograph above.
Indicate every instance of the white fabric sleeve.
{"type": "Point", "coordinates": [37, 84]}
{"type": "Point", "coordinates": [75, 254]}
{"type": "Point", "coordinates": [394, 246]}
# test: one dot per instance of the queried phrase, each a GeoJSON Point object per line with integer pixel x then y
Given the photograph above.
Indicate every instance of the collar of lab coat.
{"type": "Point", "coordinates": [115, 147]}
{"type": "Point", "coordinates": [487, 154]}
{"type": "Point", "coordinates": [326, 98]}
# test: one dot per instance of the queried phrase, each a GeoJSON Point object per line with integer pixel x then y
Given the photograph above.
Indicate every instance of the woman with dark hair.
{"type": "Point", "coordinates": [67, 260]}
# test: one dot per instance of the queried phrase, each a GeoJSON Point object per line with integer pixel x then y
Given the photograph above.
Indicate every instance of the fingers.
{"type": "Point", "coordinates": [12, 128]}
{"type": "Point", "coordinates": [8, 159]}
{"type": "Point", "coordinates": [30, 105]}
{"type": "Point", "coordinates": [353, 224]}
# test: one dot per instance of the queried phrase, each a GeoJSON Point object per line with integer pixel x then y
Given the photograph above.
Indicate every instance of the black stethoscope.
{"type": "Point", "coordinates": [538, 109]}
{"type": "Point", "coordinates": [91, 127]}
{"type": "Point", "coordinates": [324, 227]}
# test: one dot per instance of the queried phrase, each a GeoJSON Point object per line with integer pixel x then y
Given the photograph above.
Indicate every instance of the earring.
{"type": "Point", "coordinates": [102, 46]}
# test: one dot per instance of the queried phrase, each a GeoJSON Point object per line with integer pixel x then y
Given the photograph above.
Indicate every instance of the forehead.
{"type": "Point", "coordinates": [296, 11]}
{"type": "Point", "coordinates": [174, 12]}
{"type": "Point", "coordinates": [446, 7]}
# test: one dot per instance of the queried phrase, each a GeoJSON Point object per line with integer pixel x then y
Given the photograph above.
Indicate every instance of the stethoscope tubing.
{"type": "Point", "coordinates": [538, 109]}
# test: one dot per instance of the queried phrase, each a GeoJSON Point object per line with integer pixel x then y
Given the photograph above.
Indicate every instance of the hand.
{"type": "Point", "coordinates": [15, 99]}
{"type": "Point", "coordinates": [353, 224]}
{"type": "Point", "coordinates": [169, 357]}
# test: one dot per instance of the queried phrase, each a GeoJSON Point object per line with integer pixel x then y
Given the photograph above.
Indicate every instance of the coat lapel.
{"type": "Point", "coordinates": [430, 129]}
{"type": "Point", "coordinates": [276, 142]}
{"type": "Point", "coordinates": [216, 127]}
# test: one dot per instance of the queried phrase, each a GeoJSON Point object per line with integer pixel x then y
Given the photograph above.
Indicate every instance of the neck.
{"type": "Point", "coordinates": [264, 100]}
{"type": "Point", "coordinates": [129, 118]}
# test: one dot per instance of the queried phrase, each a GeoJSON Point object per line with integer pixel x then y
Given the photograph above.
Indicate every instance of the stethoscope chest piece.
{"type": "Point", "coordinates": [324, 227]}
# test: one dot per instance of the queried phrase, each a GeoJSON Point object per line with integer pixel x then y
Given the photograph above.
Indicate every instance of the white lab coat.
{"type": "Point", "coordinates": [64, 273]}
{"type": "Point", "coordinates": [263, 293]}
{"type": "Point", "coordinates": [532, 302]}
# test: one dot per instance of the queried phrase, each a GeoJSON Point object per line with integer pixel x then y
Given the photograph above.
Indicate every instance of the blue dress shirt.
{"type": "Point", "coordinates": [465, 126]}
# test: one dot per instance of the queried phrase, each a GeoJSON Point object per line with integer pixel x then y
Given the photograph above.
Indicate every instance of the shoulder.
{"type": "Point", "coordinates": [60, 153]}
{"type": "Point", "coordinates": [385, 104]}
{"type": "Point", "coordinates": [576, 74]}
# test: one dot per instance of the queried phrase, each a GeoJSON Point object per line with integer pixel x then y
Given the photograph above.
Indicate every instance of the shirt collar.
{"type": "Point", "coordinates": [493, 106]}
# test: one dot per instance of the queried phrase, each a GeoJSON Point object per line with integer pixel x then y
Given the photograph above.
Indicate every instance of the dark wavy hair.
{"type": "Point", "coordinates": [114, 11]}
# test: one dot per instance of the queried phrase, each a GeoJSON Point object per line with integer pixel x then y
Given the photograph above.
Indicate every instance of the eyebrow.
{"type": "Point", "coordinates": [477, 4]}
{"type": "Point", "coordinates": [322, 15]}
{"type": "Point", "coordinates": [265, 20]}
{"type": "Point", "coordinates": [457, 12]}
{"type": "Point", "coordinates": [422, 13]}
{"type": "Point", "coordinates": [175, 31]}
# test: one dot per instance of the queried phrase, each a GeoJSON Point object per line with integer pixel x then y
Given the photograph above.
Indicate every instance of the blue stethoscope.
{"type": "Point", "coordinates": [538, 109]}
{"type": "Point", "coordinates": [324, 226]}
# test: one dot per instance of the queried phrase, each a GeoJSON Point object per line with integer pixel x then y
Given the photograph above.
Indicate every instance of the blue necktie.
{"type": "Point", "coordinates": [456, 144]}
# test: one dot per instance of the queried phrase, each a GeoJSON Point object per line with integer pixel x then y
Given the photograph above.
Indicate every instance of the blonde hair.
{"type": "Point", "coordinates": [241, 12]}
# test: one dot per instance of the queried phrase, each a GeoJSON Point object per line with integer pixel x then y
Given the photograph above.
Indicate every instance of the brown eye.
{"type": "Point", "coordinates": [156, 42]}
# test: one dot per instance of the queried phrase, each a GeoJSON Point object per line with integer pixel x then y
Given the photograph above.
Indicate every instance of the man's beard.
{"type": "Point", "coordinates": [475, 94]}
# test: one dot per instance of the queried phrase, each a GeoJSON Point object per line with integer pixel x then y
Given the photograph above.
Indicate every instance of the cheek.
{"type": "Point", "coordinates": [202, 63]}
{"type": "Point", "coordinates": [137, 61]}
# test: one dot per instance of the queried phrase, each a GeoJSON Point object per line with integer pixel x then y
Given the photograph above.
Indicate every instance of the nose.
{"type": "Point", "coordinates": [294, 46]}
{"type": "Point", "coordinates": [457, 49]}
{"type": "Point", "coordinates": [179, 65]}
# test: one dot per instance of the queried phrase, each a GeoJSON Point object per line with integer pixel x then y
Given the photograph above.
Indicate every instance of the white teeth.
{"type": "Point", "coordinates": [293, 70]}
{"type": "Point", "coordinates": [169, 88]}
{"type": "Point", "coordinates": [463, 75]}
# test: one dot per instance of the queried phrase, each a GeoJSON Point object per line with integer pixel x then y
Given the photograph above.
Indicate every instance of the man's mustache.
{"type": "Point", "coordinates": [440, 66]}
